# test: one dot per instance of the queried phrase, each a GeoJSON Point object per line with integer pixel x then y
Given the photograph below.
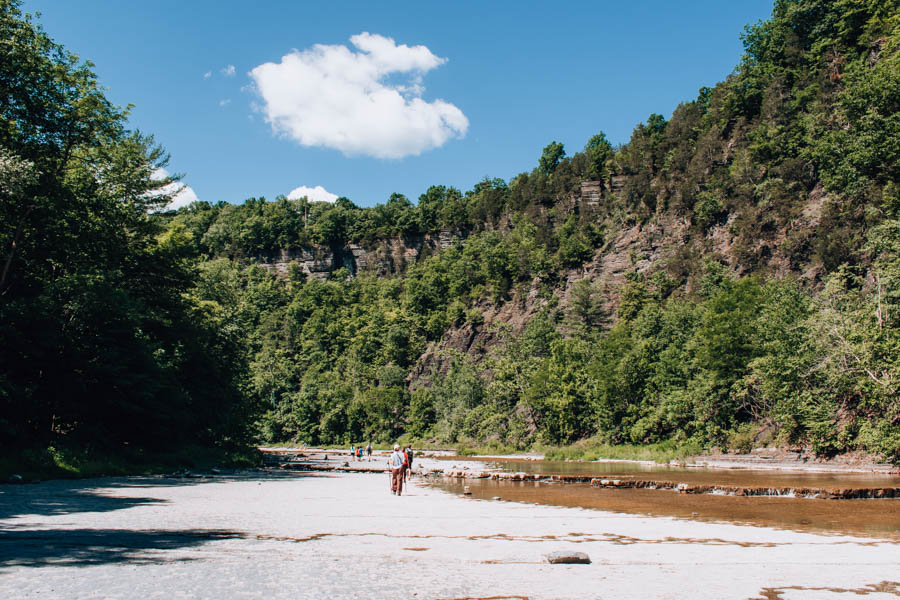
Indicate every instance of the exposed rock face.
{"type": "Point", "coordinates": [668, 241]}
{"type": "Point", "coordinates": [315, 262]}
{"type": "Point", "coordinates": [387, 257]}
{"type": "Point", "coordinates": [478, 339]}
{"type": "Point", "coordinates": [591, 193]}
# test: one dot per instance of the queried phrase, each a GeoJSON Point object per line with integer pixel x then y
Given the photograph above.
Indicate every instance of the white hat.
{"type": "Point", "coordinates": [396, 446]}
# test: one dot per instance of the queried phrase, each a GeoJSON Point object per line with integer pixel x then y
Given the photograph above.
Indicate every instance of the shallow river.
{"type": "Point", "coordinates": [876, 518]}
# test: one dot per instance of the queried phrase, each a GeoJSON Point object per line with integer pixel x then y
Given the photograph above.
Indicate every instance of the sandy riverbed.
{"type": "Point", "coordinates": [325, 535]}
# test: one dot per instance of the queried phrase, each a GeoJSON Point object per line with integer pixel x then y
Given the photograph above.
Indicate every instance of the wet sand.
{"type": "Point", "coordinates": [326, 535]}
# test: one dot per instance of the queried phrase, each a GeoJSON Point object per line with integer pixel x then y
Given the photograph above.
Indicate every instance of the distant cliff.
{"type": "Point", "coordinates": [387, 257]}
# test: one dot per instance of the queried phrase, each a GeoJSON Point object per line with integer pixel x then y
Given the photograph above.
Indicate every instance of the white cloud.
{"type": "Point", "coordinates": [225, 102]}
{"type": "Point", "coordinates": [316, 194]}
{"type": "Point", "coordinates": [183, 194]}
{"type": "Point", "coordinates": [335, 97]}
{"type": "Point", "coordinates": [207, 75]}
{"type": "Point", "coordinates": [184, 197]}
{"type": "Point", "coordinates": [228, 71]}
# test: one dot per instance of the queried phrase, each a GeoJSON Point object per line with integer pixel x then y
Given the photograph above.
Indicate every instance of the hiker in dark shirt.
{"type": "Point", "coordinates": [409, 459]}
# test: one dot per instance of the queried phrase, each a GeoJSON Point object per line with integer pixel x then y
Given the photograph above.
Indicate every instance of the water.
{"type": "Point", "coordinates": [695, 476]}
{"type": "Point", "coordinates": [871, 518]}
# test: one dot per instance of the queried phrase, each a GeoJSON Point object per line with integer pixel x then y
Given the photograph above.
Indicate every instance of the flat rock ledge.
{"type": "Point", "coordinates": [682, 488]}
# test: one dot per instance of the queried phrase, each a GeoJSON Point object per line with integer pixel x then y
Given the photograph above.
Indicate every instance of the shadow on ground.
{"type": "Point", "coordinates": [255, 475]}
{"type": "Point", "coordinates": [23, 545]}
{"type": "Point", "coordinates": [85, 547]}
{"type": "Point", "coordinates": [51, 498]}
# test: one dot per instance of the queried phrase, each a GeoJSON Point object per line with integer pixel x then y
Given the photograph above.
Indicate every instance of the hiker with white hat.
{"type": "Point", "coordinates": [397, 462]}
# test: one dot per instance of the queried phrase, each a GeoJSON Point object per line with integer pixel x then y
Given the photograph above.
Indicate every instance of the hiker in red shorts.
{"type": "Point", "coordinates": [409, 459]}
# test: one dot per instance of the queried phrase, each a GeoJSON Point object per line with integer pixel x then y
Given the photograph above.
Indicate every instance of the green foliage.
{"type": "Point", "coordinates": [103, 341]}
{"type": "Point", "coordinates": [599, 152]}
{"type": "Point", "coordinates": [594, 449]}
{"type": "Point", "coordinates": [563, 392]}
{"type": "Point", "coordinates": [550, 157]}
{"type": "Point", "coordinates": [489, 449]}
{"type": "Point", "coordinates": [634, 296]}
{"type": "Point", "coordinates": [586, 304]}
{"type": "Point", "coordinates": [708, 210]}
{"type": "Point", "coordinates": [574, 245]}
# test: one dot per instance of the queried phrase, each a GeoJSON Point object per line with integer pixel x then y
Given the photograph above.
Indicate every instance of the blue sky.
{"type": "Point", "coordinates": [494, 83]}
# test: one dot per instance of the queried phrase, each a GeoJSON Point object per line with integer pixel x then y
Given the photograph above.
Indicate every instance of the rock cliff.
{"type": "Point", "coordinates": [386, 257]}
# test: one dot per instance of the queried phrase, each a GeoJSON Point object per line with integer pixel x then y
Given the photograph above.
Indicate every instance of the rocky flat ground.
{"type": "Point", "coordinates": [321, 535]}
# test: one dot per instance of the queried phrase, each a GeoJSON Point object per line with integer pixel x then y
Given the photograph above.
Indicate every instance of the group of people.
{"type": "Point", "coordinates": [357, 452]}
{"type": "Point", "coordinates": [401, 464]}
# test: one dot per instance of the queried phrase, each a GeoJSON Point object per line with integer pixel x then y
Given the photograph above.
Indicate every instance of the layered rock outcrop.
{"type": "Point", "coordinates": [385, 257]}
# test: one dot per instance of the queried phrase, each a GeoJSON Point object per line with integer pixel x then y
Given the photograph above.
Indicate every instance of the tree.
{"type": "Point", "coordinates": [633, 298]}
{"type": "Point", "coordinates": [564, 391]}
{"type": "Point", "coordinates": [550, 157]}
{"type": "Point", "coordinates": [101, 340]}
{"type": "Point", "coordinates": [599, 151]}
{"type": "Point", "coordinates": [656, 124]}
{"type": "Point", "coordinates": [586, 304]}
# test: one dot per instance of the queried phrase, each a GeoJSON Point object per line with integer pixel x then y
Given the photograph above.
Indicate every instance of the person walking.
{"type": "Point", "coordinates": [396, 462]}
{"type": "Point", "coordinates": [369, 451]}
{"type": "Point", "coordinates": [409, 459]}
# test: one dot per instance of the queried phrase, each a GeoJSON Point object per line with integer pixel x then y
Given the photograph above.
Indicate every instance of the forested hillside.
{"type": "Point", "coordinates": [729, 277]}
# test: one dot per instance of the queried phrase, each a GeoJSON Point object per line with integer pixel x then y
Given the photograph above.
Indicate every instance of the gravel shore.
{"type": "Point", "coordinates": [328, 535]}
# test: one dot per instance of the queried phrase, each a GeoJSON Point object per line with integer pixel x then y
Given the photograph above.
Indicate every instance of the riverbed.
{"type": "Point", "coordinates": [278, 534]}
{"type": "Point", "coordinates": [878, 517]}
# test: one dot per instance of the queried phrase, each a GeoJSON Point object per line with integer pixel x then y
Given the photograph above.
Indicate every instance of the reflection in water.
{"type": "Point", "coordinates": [875, 518]}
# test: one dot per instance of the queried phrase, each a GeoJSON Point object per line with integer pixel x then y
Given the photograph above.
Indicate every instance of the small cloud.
{"type": "Point", "coordinates": [228, 71]}
{"type": "Point", "coordinates": [225, 102]}
{"type": "Point", "coordinates": [350, 99]}
{"type": "Point", "coordinates": [316, 194]}
{"type": "Point", "coordinates": [182, 195]}
{"type": "Point", "coordinates": [207, 75]}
